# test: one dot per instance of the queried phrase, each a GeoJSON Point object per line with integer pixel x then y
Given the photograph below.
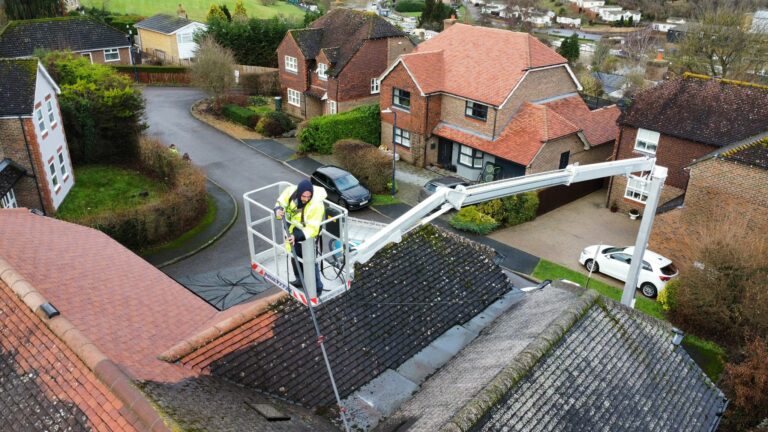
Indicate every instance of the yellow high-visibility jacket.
{"type": "Point", "coordinates": [307, 219]}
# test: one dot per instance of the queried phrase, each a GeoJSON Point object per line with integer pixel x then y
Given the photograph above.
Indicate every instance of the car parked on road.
{"type": "Point", "coordinates": [655, 272]}
{"type": "Point", "coordinates": [342, 187]}
{"type": "Point", "coordinates": [431, 186]}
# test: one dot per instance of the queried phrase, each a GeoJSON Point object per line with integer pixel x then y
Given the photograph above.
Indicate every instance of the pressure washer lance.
{"type": "Point", "coordinates": [320, 337]}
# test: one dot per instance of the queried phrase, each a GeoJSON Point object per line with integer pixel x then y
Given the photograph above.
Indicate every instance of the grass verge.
{"type": "Point", "coordinates": [708, 355]}
{"type": "Point", "coordinates": [197, 10]}
{"type": "Point", "coordinates": [206, 221]}
{"type": "Point", "coordinates": [549, 270]}
{"type": "Point", "coordinates": [384, 200]}
{"type": "Point", "coordinates": [103, 188]}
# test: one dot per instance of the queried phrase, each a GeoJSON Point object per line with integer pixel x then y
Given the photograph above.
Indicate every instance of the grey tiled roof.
{"type": "Point", "coordinates": [163, 23]}
{"type": "Point", "coordinates": [755, 154]}
{"type": "Point", "coordinates": [403, 298]}
{"type": "Point", "coordinates": [22, 38]}
{"type": "Point", "coordinates": [18, 78]}
{"type": "Point", "coordinates": [614, 370]}
{"type": "Point", "coordinates": [10, 173]}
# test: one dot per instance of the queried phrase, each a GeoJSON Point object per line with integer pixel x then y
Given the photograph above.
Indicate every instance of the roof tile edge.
{"type": "Point", "coordinates": [102, 366]}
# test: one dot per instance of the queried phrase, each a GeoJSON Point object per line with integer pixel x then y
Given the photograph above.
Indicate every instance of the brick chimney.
{"type": "Point", "coordinates": [449, 22]}
{"type": "Point", "coordinates": [656, 69]}
{"type": "Point", "coordinates": [181, 13]}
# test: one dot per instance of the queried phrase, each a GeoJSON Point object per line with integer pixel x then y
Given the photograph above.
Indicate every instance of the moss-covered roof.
{"type": "Point", "coordinates": [17, 86]}
{"type": "Point", "coordinates": [753, 154]}
{"type": "Point", "coordinates": [22, 38]}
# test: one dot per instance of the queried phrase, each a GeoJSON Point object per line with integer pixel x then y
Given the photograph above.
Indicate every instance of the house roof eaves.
{"type": "Point", "coordinates": [410, 74]}
{"type": "Point", "coordinates": [730, 147]}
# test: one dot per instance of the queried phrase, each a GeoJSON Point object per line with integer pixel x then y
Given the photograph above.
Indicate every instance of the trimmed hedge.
{"type": "Point", "coordinates": [410, 6]}
{"type": "Point", "coordinates": [369, 164]}
{"type": "Point", "coordinates": [274, 123]}
{"type": "Point", "coordinates": [362, 123]}
{"type": "Point", "coordinates": [239, 114]}
{"type": "Point", "coordinates": [151, 69]}
{"type": "Point", "coordinates": [470, 219]}
{"type": "Point", "coordinates": [512, 210]}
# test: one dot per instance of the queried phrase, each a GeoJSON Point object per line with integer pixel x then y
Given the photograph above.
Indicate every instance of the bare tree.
{"type": "Point", "coordinates": [214, 68]}
{"type": "Point", "coordinates": [638, 44]}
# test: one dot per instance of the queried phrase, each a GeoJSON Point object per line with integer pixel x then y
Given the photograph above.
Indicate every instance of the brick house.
{"type": "Point", "coordinates": [334, 65]}
{"type": "Point", "coordinates": [97, 41]}
{"type": "Point", "coordinates": [167, 37]}
{"type": "Point", "coordinates": [480, 100]}
{"type": "Point", "coordinates": [34, 157]}
{"type": "Point", "coordinates": [681, 121]}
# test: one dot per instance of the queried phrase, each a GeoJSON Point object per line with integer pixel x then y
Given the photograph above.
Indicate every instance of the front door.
{"type": "Point", "coordinates": [444, 152]}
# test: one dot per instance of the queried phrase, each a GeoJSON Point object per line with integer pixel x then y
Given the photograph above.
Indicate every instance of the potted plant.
{"type": "Point", "coordinates": [614, 207]}
{"type": "Point", "coordinates": [634, 214]}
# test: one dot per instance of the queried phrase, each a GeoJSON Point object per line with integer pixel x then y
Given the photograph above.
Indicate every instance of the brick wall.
{"type": "Point", "coordinates": [97, 56]}
{"type": "Point", "coordinates": [536, 86]}
{"type": "Point", "coordinates": [413, 120]}
{"type": "Point", "coordinates": [548, 158]}
{"type": "Point", "coordinates": [296, 81]}
{"type": "Point", "coordinates": [150, 41]}
{"type": "Point", "coordinates": [396, 47]}
{"type": "Point", "coordinates": [369, 62]}
{"type": "Point", "coordinates": [348, 105]}
{"type": "Point", "coordinates": [454, 112]}
{"type": "Point", "coordinates": [12, 145]}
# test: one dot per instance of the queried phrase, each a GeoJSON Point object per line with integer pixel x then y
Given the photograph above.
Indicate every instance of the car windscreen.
{"type": "Point", "coordinates": [612, 250]}
{"type": "Point", "coordinates": [346, 182]}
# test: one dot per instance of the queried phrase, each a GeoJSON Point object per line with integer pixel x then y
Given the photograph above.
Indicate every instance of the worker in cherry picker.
{"type": "Point", "coordinates": [302, 206]}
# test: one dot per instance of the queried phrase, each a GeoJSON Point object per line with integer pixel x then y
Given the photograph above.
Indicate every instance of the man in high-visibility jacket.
{"type": "Point", "coordinates": [302, 206]}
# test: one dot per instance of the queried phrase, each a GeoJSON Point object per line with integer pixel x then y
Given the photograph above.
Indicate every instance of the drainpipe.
{"type": "Point", "coordinates": [426, 125]}
{"type": "Point", "coordinates": [610, 180]}
{"type": "Point", "coordinates": [495, 115]}
{"type": "Point", "coordinates": [32, 163]}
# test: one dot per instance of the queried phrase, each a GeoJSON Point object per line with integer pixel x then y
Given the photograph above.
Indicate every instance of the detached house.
{"type": "Point", "coordinates": [35, 168]}
{"type": "Point", "coordinates": [99, 42]}
{"type": "Point", "coordinates": [334, 65]}
{"type": "Point", "coordinates": [167, 37]}
{"type": "Point", "coordinates": [681, 121]}
{"type": "Point", "coordinates": [480, 100]}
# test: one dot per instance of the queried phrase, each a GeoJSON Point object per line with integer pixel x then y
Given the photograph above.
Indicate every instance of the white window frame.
{"type": "Point", "coordinates": [647, 141]}
{"type": "Point", "coordinates": [62, 164]}
{"type": "Point", "coordinates": [291, 64]}
{"type": "Point", "coordinates": [89, 55]}
{"type": "Point", "coordinates": [638, 188]}
{"type": "Point", "coordinates": [470, 157]}
{"type": "Point", "coordinates": [40, 121]}
{"type": "Point", "coordinates": [294, 97]}
{"type": "Point", "coordinates": [401, 137]}
{"type": "Point", "coordinates": [332, 107]}
{"type": "Point", "coordinates": [185, 38]}
{"type": "Point", "coordinates": [9, 200]}
{"type": "Point", "coordinates": [110, 51]}
{"type": "Point", "coordinates": [54, 176]}
{"type": "Point", "coordinates": [375, 86]}
{"type": "Point", "coordinates": [322, 71]}
{"type": "Point", "coordinates": [51, 115]}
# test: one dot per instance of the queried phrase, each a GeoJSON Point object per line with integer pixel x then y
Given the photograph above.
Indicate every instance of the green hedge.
{"type": "Point", "coordinates": [470, 219]}
{"type": "Point", "coordinates": [410, 6]}
{"type": "Point", "coordinates": [239, 114]}
{"type": "Point", "coordinates": [151, 69]}
{"type": "Point", "coordinates": [512, 210]}
{"type": "Point", "coordinates": [362, 123]}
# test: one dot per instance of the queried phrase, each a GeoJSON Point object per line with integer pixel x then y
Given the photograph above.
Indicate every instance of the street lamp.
{"type": "Point", "coordinates": [394, 145]}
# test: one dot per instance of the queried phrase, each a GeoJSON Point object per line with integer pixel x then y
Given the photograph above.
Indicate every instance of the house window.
{"type": "Point", "coordinates": [322, 69]}
{"type": "Point", "coordinates": [331, 107]}
{"type": "Point", "coordinates": [470, 157]}
{"type": "Point", "coordinates": [564, 158]}
{"type": "Point", "coordinates": [40, 121]}
{"type": "Point", "coordinates": [291, 64]}
{"type": "Point", "coordinates": [54, 176]}
{"type": "Point", "coordinates": [111, 54]}
{"type": "Point", "coordinates": [294, 97]}
{"type": "Point", "coordinates": [375, 87]}
{"type": "Point", "coordinates": [8, 200]}
{"type": "Point", "coordinates": [90, 57]}
{"type": "Point", "coordinates": [647, 141]}
{"type": "Point", "coordinates": [402, 137]}
{"type": "Point", "coordinates": [51, 116]}
{"type": "Point", "coordinates": [476, 110]}
{"type": "Point", "coordinates": [401, 98]}
{"type": "Point", "coordinates": [637, 188]}
{"type": "Point", "coordinates": [185, 38]}
{"type": "Point", "coordinates": [62, 165]}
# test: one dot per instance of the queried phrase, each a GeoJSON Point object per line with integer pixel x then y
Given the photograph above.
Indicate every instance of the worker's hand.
{"type": "Point", "coordinates": [279, 213]}
{"type": "Point", "coordinates": [291, 239]}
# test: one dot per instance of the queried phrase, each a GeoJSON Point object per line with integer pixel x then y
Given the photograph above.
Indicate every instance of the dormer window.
{"type": "Point", "coordinates": [476, 110]}
{"type": "Point", "coordinates": [647, 141]}
{"type": "Point", "coordinates": [322, 71]}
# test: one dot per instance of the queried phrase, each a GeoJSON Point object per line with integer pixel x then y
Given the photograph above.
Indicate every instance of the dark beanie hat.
{"type": "Point", "coordinates": [303, 186]}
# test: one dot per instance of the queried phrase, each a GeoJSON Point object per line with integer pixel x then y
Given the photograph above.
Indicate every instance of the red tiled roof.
{"type": "Point", "coordinates": [599, 126]}
{"type": "Point", "coordinates": [478, 63]}
{"type": "Point", "coordinates": [44, 381]}
{"type": "Point", "coordinates": [522, 139]}
{"type": "Point", "coordinates": [130, 310]}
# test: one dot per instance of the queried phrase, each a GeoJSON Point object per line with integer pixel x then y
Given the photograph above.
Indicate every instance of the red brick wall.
{"type": "Point", "coordinates": [97, 56]}
{"type": "Point", "coordinates": [12, 145]}
{"type": "Point", "coordinates": [412, 120]}
{"type": "Point", "coordinates": [536, 85]}
{"type": "Point", "coordinates": [297, 81]}
{"type": "Point", "coordinates": [370, 61]}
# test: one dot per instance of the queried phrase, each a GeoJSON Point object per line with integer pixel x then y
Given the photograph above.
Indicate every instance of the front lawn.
{"type": "Point", "coordinates": [196, 9]}
{"type": "Point", "coordinates": [382, 200]}
{"type": "Point", "coordinates": [101, 188]}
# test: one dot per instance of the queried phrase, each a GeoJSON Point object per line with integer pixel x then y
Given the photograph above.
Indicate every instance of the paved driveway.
{"type": "Point", "coordinates": [560, 235]}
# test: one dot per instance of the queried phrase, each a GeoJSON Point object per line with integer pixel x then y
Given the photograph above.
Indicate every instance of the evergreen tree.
{"type": "Point", "coordinates": [569, 48]}
{"type": "Point", "coordinates": [226, 13]}
{"type": "Point", "coordinates": [240, 13]}
{"type": "Point", "coordinates": [621, 21]}
{"type": "Point", "coordinates": [631, 22]}
{"type": "Point", "coordinates": [215, 13]}
{"type": "Point", "coordinates": [31, 9]}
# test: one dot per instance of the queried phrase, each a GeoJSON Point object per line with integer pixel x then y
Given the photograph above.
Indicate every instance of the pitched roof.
{"type": "Point", "coordinates": [710, 111]}
{"type": "Point", "coordinates": [478, 63]}
{"type": "Point", "coordinates": [754, 154]}
{"type": "Point", "coordinates": [10, 173]}
{"type": "Point", "coordinates": [45, 385]}
{"type": "Point", "coordinates": [609, 370]}
{"type": "Point", "coordinates": [18, 78]}
{"type": "Point", "coordinates": [599, 126]}
{"type": "Point", "coordinates": [22, 38]}
{"type": "Point", "coordinates": [522, 139]}
{"type": "Point", "coordinates": [342, 32]}
{"type": "Point", "coordinates": [397, 305]}
{"type": "Point", "coordinates": [163, 23]}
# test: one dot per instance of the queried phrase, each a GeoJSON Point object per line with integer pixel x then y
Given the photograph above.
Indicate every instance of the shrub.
{"type": "Point", "coordinates": [512, 210]}
{"type": "Point", "coordinates": [261, 83]}
{"type": "Point", "coordinates": [362, 123]}
{"type": "Point", "coordinates": [369, 164]}
{"type": "Point", "coordinates": [257, 101]}
{"type": "Point", "coordinates": [240, 100]}
{"type": "Point", "coordinates": [213, 68]}
{"type": "Point", "coordinates": [274, 123]}
{"type": "Point", "coordinates": [667, 297]}
{"type": "Point", "coordinates": [747, 385]}
{"type": "Point", "coordinates": [410, 6]}
{"type": "Point", "coordinates": [470, 219]}
{"type": "Point", "coordinates": [238, 114]}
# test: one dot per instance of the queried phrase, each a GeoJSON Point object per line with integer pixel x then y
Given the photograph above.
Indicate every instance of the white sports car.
{"type": "Point", "coordinates": [614, 261]}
